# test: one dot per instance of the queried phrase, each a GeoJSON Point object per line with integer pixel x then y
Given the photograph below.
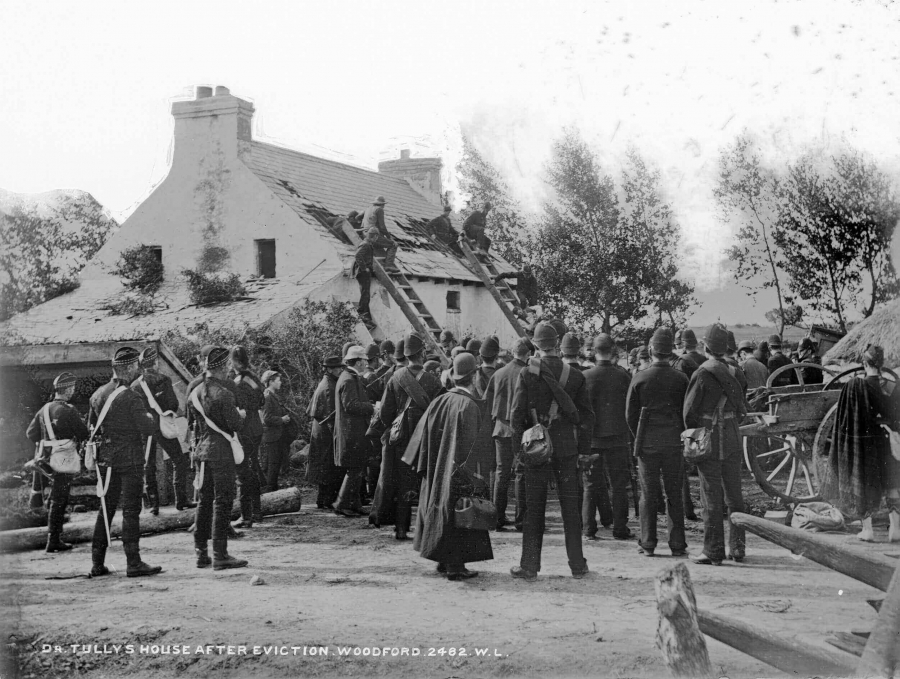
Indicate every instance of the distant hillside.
{"type": "Point", "coordinates": [757, 332]}
{"type": "Point", "coordinates": [46, 238]}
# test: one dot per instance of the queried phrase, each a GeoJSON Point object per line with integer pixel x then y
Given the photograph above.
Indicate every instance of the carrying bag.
{"type": "Point", "coordinates": [472, 512]}
{"type": "Point", "coordinates": [698, 442]}
{"type": "Point", "coordinates": [64, 457]}
{"type": "Point", "coordinates": [537, 448]}
{"type": "Point", "coordinates": [237, 450]}
{"type": "Point", "coordinates": [817, 517]}
{"type": "Point", "coordinates": [90, 448]}
{"type": "Point", "coordinates": [167, 424]}
{"type": "Point", "coordinates": [415, 395]}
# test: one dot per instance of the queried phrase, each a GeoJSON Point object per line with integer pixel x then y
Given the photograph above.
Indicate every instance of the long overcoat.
{"type": "Point", "coordinates": [353, 409]}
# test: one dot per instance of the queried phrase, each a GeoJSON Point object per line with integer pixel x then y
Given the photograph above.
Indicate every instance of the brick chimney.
{"type": "Point", "coordinates": [212, 120]}
{"type": "Point", "coordinates": [423, 174]}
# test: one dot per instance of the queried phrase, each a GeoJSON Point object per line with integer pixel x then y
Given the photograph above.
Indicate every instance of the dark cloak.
{"type": "Point", "coordinates": [321, 441]}
{"type": "Point", "coordinates": [858, 457]}
{"type": "Point", "coordinates": [444, 439]}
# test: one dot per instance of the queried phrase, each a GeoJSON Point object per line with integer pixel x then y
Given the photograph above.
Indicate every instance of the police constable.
{"type": "Point", "coordinates": [570, 346]}
{"type": "Point", "coordinates": [778, 360]}
{"type": "Point", "coordinates": [690, 347]}
{"type": "Point", "coordinates": [488, 352]}
{"type": "Point", "coordinates": [654, 407]}
{"type": "Point", "coordinates": [120, 465]}
{"type": "Point", "coordinates": [66, 424]}
{"type": "Point", "coordinates": [547, 380]}
{"type": "Point", "coordinates": [216, 461]}
{"type": "Point", "coordinates": [163, 394]}
{"type": "Point", "coordinates": [250, 396]}
{"type": "Point", "coordinates": [607, 387]}
{"type": "Point", "coordinates": [713, 384]}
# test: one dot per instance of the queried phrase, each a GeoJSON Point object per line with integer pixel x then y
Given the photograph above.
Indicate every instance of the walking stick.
{"type": "Point", "coordinates": [198, 480]}
{"type": "Point", "coordinates": [101, 493]}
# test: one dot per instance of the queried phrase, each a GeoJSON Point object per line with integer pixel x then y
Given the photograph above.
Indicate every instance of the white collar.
{"type": "Point", "coordinates": [468, 391]}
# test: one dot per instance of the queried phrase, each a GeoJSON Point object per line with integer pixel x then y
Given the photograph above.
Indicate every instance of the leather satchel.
{"type": "Point", "coordinates": [537, 448]}
{"type": "Point", "coordinates": [698, 442]}
{"type": "Point", "coordinates": [64, 457]}
{"type": "Point", "coordinates": [237, 450]}
{"type": "Point", "coordinates": [475, 513]}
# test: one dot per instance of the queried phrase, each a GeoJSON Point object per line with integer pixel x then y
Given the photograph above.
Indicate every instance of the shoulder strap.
{"type": "Point", "coordinates": [195, 400]}
{"type": "Point", "coordinates": [564, 377]}
{"type": "Point", "coordinates": [112, 397]}
{"type": "Point", "coordinates": [149, 395]}
{"type": "Point", "coordinates": [45, 411]}
{"type": "Point", "coordinates": [413, 389]}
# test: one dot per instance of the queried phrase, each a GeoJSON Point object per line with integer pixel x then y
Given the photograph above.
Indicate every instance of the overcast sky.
{"type": "Point", "coordinates": [87, 88]}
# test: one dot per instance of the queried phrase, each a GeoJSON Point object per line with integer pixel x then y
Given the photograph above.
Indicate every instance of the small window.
{"type": "Point", "coordinates": [265, 258]}
{"type": "Point", "coordinates": [157, 252]}
{"type": "Point", "coordinates": [453, 300]}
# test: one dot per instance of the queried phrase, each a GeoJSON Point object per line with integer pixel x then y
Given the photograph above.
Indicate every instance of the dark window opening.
{"type": "Point", "coordinates": [157, 252]}
{"type": "Point", "coordinates": [452, 300]}
{"type": "Point", "coordinates": [265, 258]}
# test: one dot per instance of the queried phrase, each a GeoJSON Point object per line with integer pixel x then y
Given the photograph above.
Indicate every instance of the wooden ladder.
{"type": "Point", "coordinates": [412, 306]}
{"type": "Point", "coordinates": [501, 292]}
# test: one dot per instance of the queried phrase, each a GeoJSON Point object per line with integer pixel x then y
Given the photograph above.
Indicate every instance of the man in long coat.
{"type": "Point", "coordinates": [353, 409]}
{"type": "Point", "coordinates": [321, 469]}
{"type": "Point", "coordinates": [444, 445]}
{"type": "Point", "coordinates": [406, 398]}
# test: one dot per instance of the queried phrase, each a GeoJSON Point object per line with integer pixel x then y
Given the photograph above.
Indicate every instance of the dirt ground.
{"type": "Point", "coordinates": [338, 583]}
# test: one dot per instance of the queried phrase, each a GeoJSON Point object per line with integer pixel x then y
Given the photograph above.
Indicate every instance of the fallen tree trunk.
{"type": "Point", "coordinates": [881, 656]}
{"type": "Point", "coordinates": [277, 502]}
{"type": "Point", "coordinates": [677, 635]}
{"type": "Point", "coordinates": [783, 653]}
{"type": "Point", "coordinates": [872, 569]}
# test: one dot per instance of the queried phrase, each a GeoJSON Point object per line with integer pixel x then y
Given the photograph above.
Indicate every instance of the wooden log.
{"type": "Point", "coordinates": [678, 634]}
{"type": "Point", "coordinates": [779, 651]}
{"type": "Point", "coordinates": [873, 569]}
{"type": "Point", "coordinates": [278, 502]}
{"type": "Point", "coordinates": [881, 657]}
{"type": "Point", "coordinates": [846, 641]}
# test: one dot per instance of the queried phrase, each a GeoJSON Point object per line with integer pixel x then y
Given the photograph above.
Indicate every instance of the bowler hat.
{"type": "Point", "coordinates": [661, 342]}
{"type": "Point", "coordinates": [473, 346]}
{"type": "Point", "coordinates": [333, 362]}
{"type": "Point", "coordinates": [603, 343]}
{"type": "Point", "coordinates": [689, 339]}
{"type": "Point", "coordinates": [412, 345]}
{"type": "Point", "coordinates": [774, 341]}
{"type": "Point", "coordinates": [489, 348]}
{"type": "Point", "coordinates": [716, 339]}
{"type": "Point", "coordinates": [378, 201]}
{"type": "Point", "coordinates": [399, 352]}
{"type": "Point", "coordinates": [746, 344]}
{"type": "Point", "coordinates": [463, 365]}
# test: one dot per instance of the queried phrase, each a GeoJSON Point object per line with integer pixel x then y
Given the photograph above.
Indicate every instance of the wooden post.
{"type": "Point", "coordinates": [678, 634]}
{"type": "Point", "coordinates": [873, 569]}
{"type": "Point", "coordinates": [777, 650]}
{"type": "Point", "coordinates": [881, 656]}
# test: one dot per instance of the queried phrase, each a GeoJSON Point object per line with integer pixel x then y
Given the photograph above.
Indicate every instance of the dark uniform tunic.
{"type": "Point", "coordinates": [661, 390]}
{"type": "Point", "coordinates": [504, 389]}
{"type": "Point", "coordinates": [122, 440]}
{"type": "Point", "coordinates": [214, 450]}
{"type": "Point", "coordinates": [607, 389]}
{"type": "Point", "coordinates": [786, 378]}
{"type": "Point", "coordinates": [67, 424]}
{"type": "Point", "coordinates": [250, 396]}
{"type": "Point", "coordinates": [397, 481]}
{"type": "Point", "coordinates": [720, 476]}
{"type": "Point", "coordinates": [685, 365]}
{"type": "Point", "coordinates": [164, 394]}
{"type": "Point", "coordinates": [533, 392]}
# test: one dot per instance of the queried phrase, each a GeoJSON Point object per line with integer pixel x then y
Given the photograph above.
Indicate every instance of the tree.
{"type": "Point", "coordinates": [506, 223]}
{"type": "Point", "coordinates": [838, 216]}
{"type": "Point", "coordinates": [747, 196]}
{"type": "Point", "coordinates": [792, 314]}
{"type": "Point", "coordinates": [42, 255]}
{"type": "Point", "coordinates": [605, 264]}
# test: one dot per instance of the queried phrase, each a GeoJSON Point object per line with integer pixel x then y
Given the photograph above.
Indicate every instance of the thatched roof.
{"type": "Point", "coordinates": [882, 328]}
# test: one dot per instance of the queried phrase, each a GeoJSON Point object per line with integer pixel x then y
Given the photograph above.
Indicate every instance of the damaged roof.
{"type": "Point", "coordinates": [316, 189]}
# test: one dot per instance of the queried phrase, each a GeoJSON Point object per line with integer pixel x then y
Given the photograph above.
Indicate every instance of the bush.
{"type": "Point", "coordinates": [133, 305]}
{"type": "Point", "coordinates": [140, 268]}
{"type": "Point", "coordinates": [296, 346]}
{"type": "Point", "coordinates": [209, 289]}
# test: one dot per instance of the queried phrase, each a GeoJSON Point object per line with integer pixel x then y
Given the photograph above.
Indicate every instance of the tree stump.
{"type": "Point", "coordinates": [678, 635]}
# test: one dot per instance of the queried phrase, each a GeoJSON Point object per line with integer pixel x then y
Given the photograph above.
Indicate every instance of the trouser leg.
{"type": "Point", "coordinates": [687, 502]}
{"type": "Point", "coordinates": [205, 506]}
{"type": "Point", "coordinates": [407, 491]}
{"type": "Point", "coordinates": [132, 491]}
{"type": "Point", "coordinates": [619, 473]}
{"type": "Point", "coordinates": [566, 471]}
{"type": "Point", "coordinates": [533, 525]}
{"type": "Point", "coordinates": [181, 465]}
{"type": "Point", "coordinates": [348, 496]}
{"type": "Point", "coordinates": [59, 500]}
{"type": "Point", "coordinates": [256, 485]}
{"type": "Point", "coordinates": [504, 453]}
{"type": "Point", "coordinates": [648, 474]}
{"type": "Point", "coordinates": [595, 496]}
{"type": "Point", "coordinates": [273, 462]}
{"type": "Point", "coordinates": [365, 286]}
{"type": "Point", "coordinates": [672, 468]}
{"type": "Point", "coordinates": [712, 497]}
{"type": "Point", "coordinates": [223, 478]}
{"type": "Point", "coordinates": [521, 498]}
{"type": "Point", "coordinates": [37, 491]}
{"type": "Point", "coordinates": [113, 493]}
{"type": "Point", "coordinates": [151, 486]}
{"type": "Point", "coordinates": [734, 500]}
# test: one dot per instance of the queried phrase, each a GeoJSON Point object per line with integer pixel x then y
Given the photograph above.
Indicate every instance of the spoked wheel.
{"type": "Point", "coordinates": [782, 472]}
{"type": "Point", "coordinates": [821, 448]}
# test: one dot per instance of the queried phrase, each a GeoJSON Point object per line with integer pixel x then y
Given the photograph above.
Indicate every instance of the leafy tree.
{"type": "Point", "coordinates": [42, 255]}
{"type": "Point", "coordinates": [791, 315]}
{"type": "Point", "coordinates": [747, 196]}
{"type": "Point", "coordinates": [506, 223]}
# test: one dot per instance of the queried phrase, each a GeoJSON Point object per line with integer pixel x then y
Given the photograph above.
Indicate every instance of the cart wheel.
{"type": "Point", "coordinates": [885, 373]}
{"type": "Point", "coordinates": [782, 472]}
{"type": "Point", "coordinates": [797, 366]}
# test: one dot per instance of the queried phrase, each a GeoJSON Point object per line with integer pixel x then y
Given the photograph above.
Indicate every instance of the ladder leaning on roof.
{"type": "Point", "coordinates": [412, 306]}
{"type": "Point", "coordinates": [500, 291]}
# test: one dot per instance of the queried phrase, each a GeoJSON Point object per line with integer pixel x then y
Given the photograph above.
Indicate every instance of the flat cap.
{"type": "Point", "coordinates": [746, 344]}
{"type": "Point", "coordinates": [270, 375]}
{"type": "Point", "coordinates": [643, 354]}
{"type": "Point", "coordinates": [431, 366]}
{"type": "Point", "coordinates": [217, 358]}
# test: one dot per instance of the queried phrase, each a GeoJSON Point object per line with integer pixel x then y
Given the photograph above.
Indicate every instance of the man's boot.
{"type": "Point", "coordinates": [200, 549]}
{"type": "Point", "coordinates": [98, 556]}
{"type": "Point", "coordinates": [182, 501]}
{"type": "Point", "coordinates": [222, 560]}
{"type": "Point", "coordinates": [54, 526]}
{"type": "Point", "coordinates": [246, 520]}
{"type": "Point", "coordinates": [256, 505]}
{"type": "Point", "coordinates": [137, 568]}
{"type": "Point", "coordinates": [232, 533]}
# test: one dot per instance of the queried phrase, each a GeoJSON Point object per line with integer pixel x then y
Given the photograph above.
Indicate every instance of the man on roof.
{"type": "Point", "coordinates": [474, 228]}
{"type": "Point", "coordinates": [373, 217]}
{"type": "Point", "coordinates": [441, 229]}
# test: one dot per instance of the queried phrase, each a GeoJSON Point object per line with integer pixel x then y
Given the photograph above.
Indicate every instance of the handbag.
{"type": "Point", "coordinates": [237, 450]}
{"type": "Point", "coordinates": [168, 427]}
{"type": "Point", "coordinates": [698, 442]}
{"type": "Point", "coordinates": [64, 457]}
{"type": "Point", "coordinates": [472, 512]}
{"type": "Point", "coordinates": [91, 456]}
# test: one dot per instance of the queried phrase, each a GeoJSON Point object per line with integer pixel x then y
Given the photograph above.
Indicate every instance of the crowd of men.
{"type": "Point", "coordinates": [392, 429]}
